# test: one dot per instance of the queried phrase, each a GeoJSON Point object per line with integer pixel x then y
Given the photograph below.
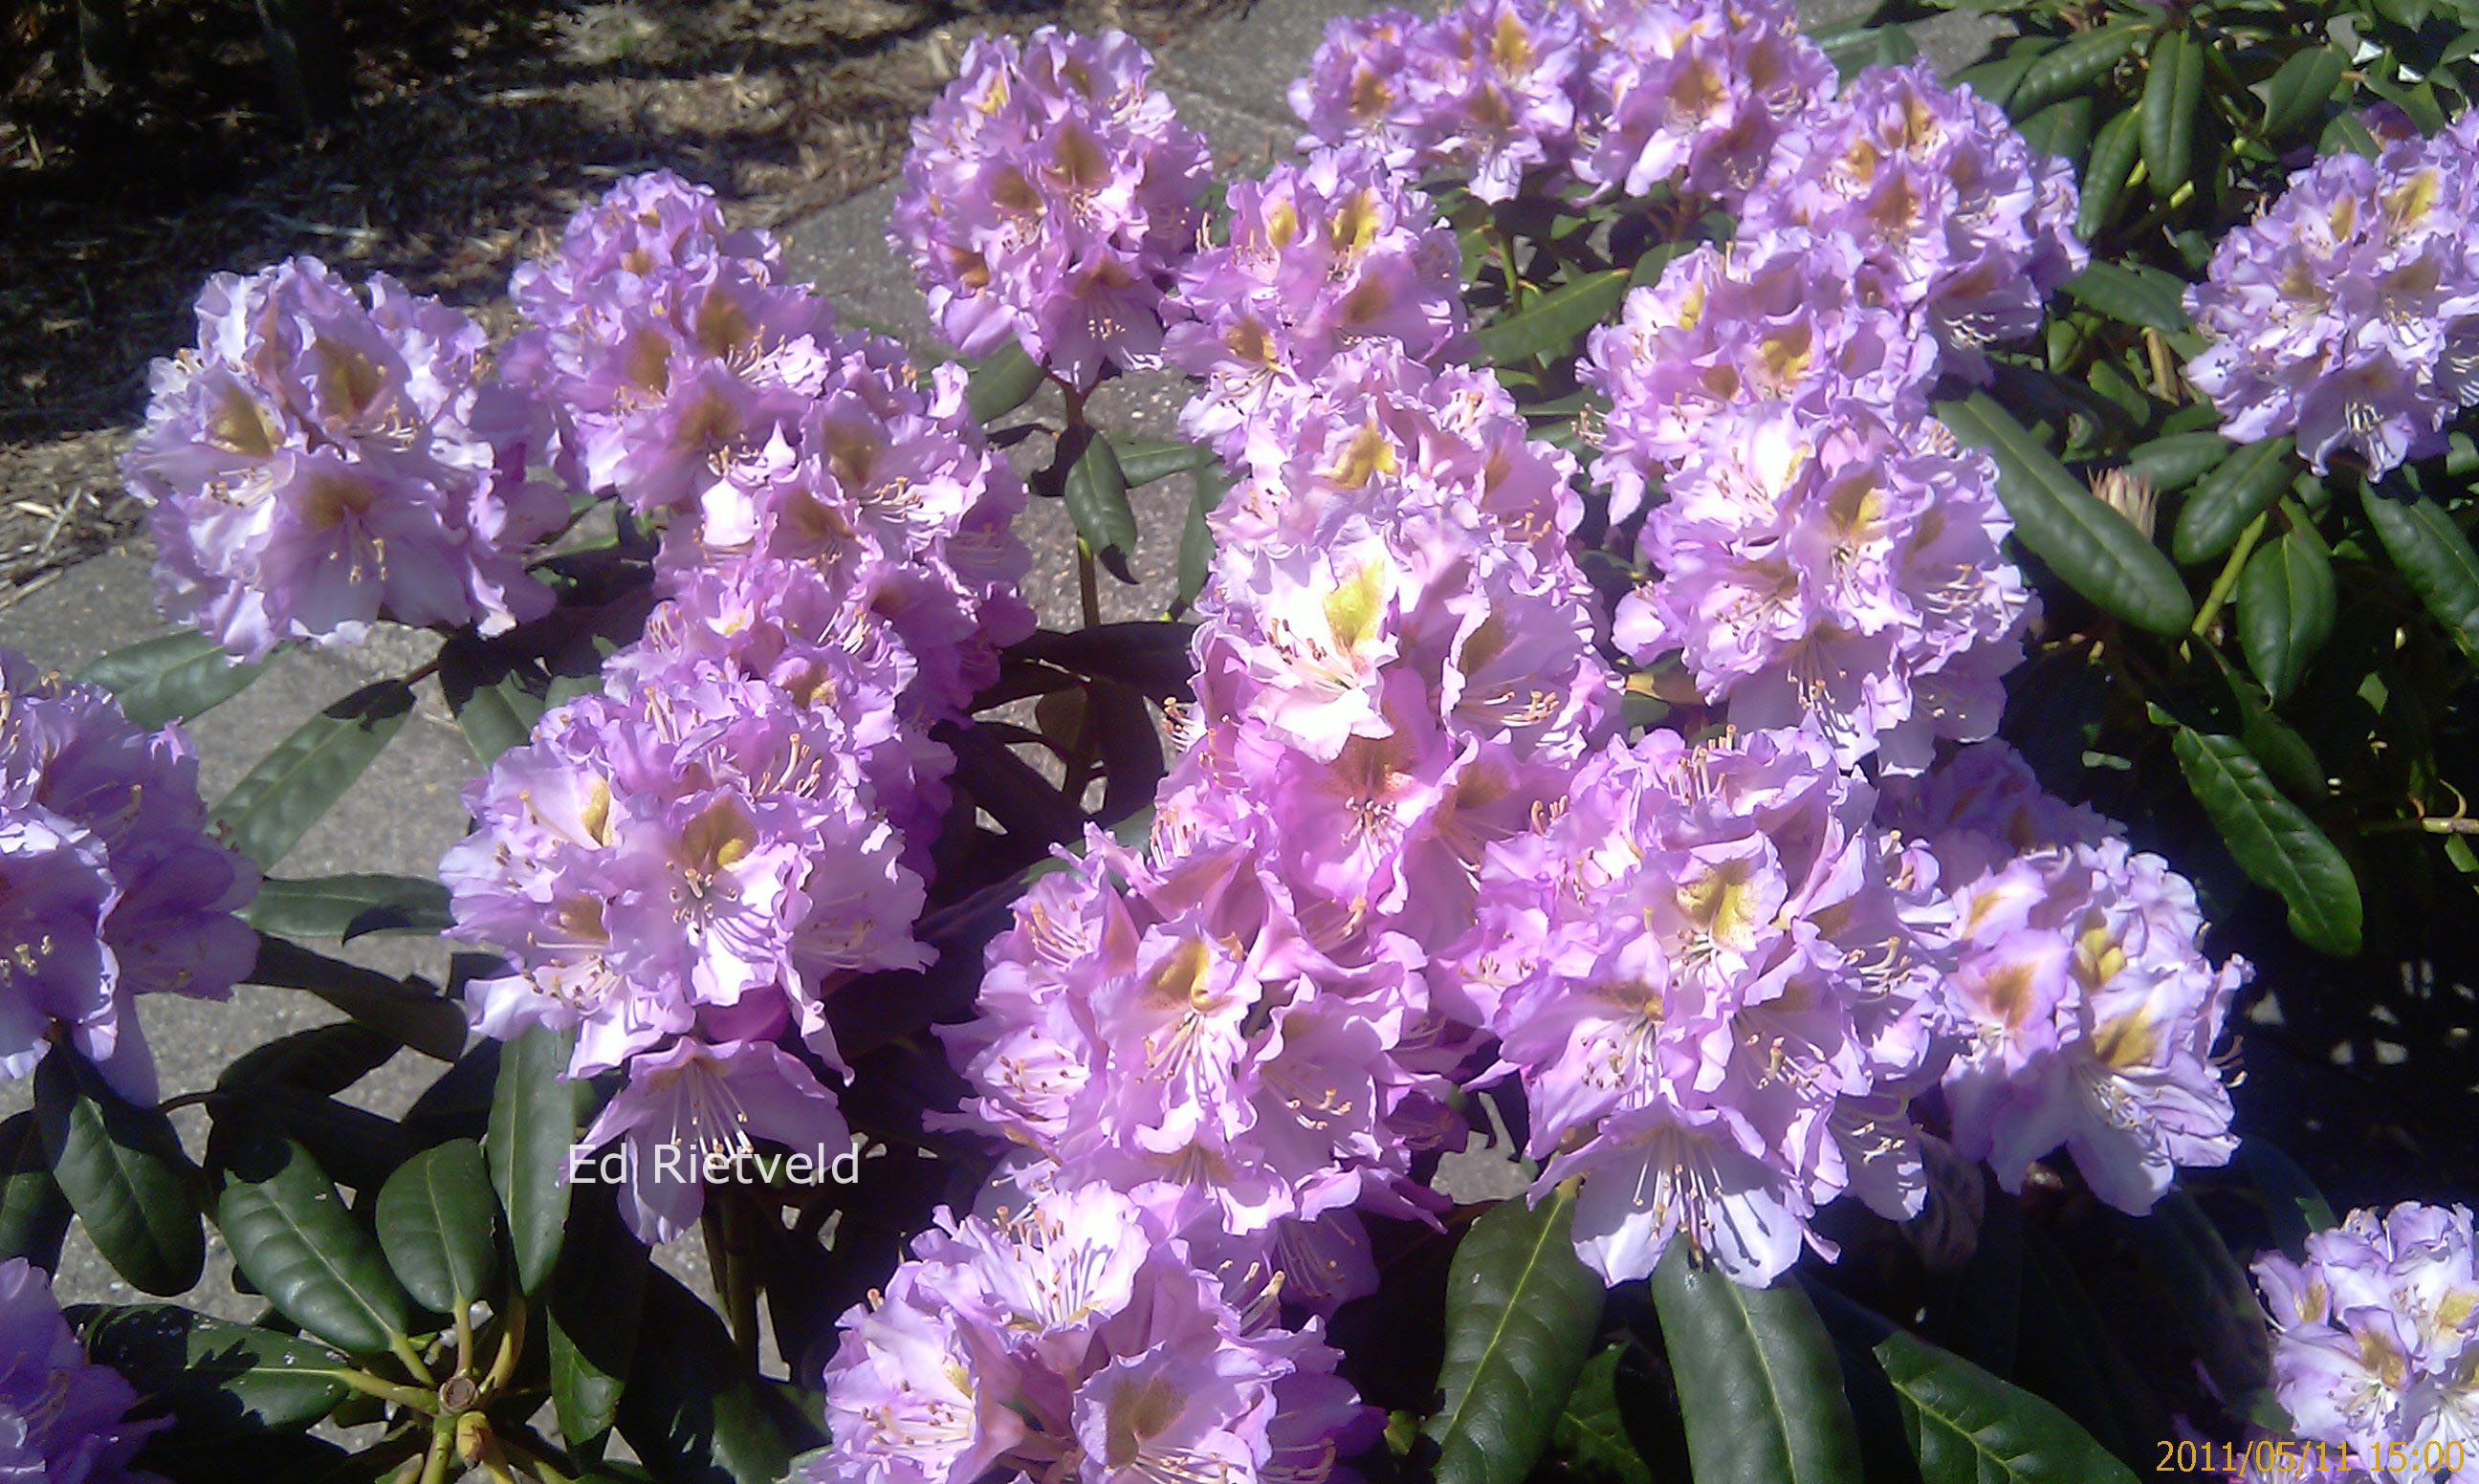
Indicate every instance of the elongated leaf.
{"type": "Point", "coordinates": [409, 1009]}
{"type": "Point", "coordinates": [34, 1215]}
{"type": "Point", "coordinates": [1553, 324]}
{"type": "Point", "coordinates": [1002, 381]}
{"type": "Point", "coordinates": [2144, 296]}
{"type": "Point", "coordinates": [276, 803]}
{"type": "Point", "coordinates": [1520, 1311]}
{"type": "Point", "coordinates": [354, 1147]}
{"type": "Point", "coordinates": [597, 1298]}
{"type": "Point", "coordinates": [323, 1060]}
{"type": "Point", "coordinates": [2238, 489]}
{"type": "Point", "coordinates": [2435, 558]}
{"type": "Point", "coordinates": [2072, 67]}
{"type": "Point", "coordinates": [533, 1123]}
{"type": "Point", "coordinates": [2063, 129]}
{"type": "Point", "coordinates": [2210, 1302]}
{"type": "Point", "coordinates": [2084, 542]}
{"type": "Point", "coordinates": [1145, 462]}
{"type": "Point", "coordinates": [1853, 49]}
{"type": "Point", "coordinates": [1196, 536]}
{"type": "Point", "coordinates": [693, 1410]}
{"type": "Point", "coordinates": [292, 1236]}
{"type": "Point", "coordinates": [1591, 1430]}
{"type": "Point", "coordinates": [348, 907]}
{"type": "Point", "coordinates": [1997, 78]}
{"type": "Point", "coordinates": [2277, 846]}
{"type": "Point", "coordinates": [1969, 1428]}
{"type": "Point", "coordinates": [2300, 90]}
{"type": "Point", "coordinates": [2348, 131]}
{"type": "Point", "coordinates": [2287, 600]}
{"type": "Point", "coordinates": [1097, 499]}
{"type": "Point", "coordinates": [1757, 1379]}
{"type": "Point", "coordinates": [2292, 1204]}
{"type": "Point", "coordinates": [172, 679]}
{"type": "Point", "coordinates": [2179, 460]}
{"type": "Point", "coordinates": [2115, 148]}
{"type": "Point", "coordinates": [121, 1170]}
{"type": "Point", "coordinates": [216, 1376]}
{"type": "Point", "coordinates": [2173, 100]}
{"type": "Point", "coordinates": [1150, 657]}
{"type": "Point", "coordinates": [496, 697]}
{"type": "Point", "coordinates": [439, 1227]}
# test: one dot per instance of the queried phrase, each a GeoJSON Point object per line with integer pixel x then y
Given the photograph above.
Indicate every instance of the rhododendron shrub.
{"type": "Point", "coordinates": [1792, 678]}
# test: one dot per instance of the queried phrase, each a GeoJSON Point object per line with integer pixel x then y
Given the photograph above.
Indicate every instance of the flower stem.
{"type": "Point", "coordinates": [2228, 580]}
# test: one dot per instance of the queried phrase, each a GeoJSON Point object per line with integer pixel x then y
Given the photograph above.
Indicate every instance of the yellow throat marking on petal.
{"type": "Point", "coordinates": [1353, 608]}
{"type": "Point", "coordinates": [1370, 453]}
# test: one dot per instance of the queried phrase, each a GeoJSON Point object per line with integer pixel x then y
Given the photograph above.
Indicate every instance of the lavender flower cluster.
{"type": "Point", "coordinates": [2349, 312]}
{"type": "Point", "coordinates": [63, 1418]}
{"type": "Point", "coordinates": [110, 887]}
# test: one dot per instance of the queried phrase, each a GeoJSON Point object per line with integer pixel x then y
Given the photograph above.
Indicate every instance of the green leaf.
{"type": "Point", "coordinates": [1997, 78]}
{"type": "Point", "coordinates": [409, 1009]}
{"type": "Point", "coordinates": [216, 1376]}
{"type": "Point", "coordinates": [2285, 599]}
{"type": "Point", "coordinates": [170, 680]}
{"type": "Point", "coordinates": [533, 1123]}
{"type": "Point", "coordinates": [1591, 1430]}
{"type": "Point", "coordinates": [1757, 1381]}
{"type": "Point", "coordinates": [2144, 297]}
{"type": "Point", "coordinates": [1196, 536]}
{"type": "Point", "coordinates": [1521, 1311]}
{"type": "Point", "coordinates": [2179, 460]}
{"type": "Point", "coordinates": [2072, 67]}
{"type": "Point", "coordinates": [1552, 323]}
{"type": "Point", "coordinates": [2348, 131]}
{"type": "Point", "coordinates": [2241, 487]}
{"type": "Point", "coordinates": [1855, 49]}
{"type": "Point", "coordinates": [2115, 148]}
{"type": "Point", "coordinates": [2084, 542]}
{"type": "Point", "coordinates": [2063, 129]}
{"type": "Point", "coordinates": [597, 1298]}
{"type": "Point", "coordinates": [495, 698]}
{"type": "Point", "coordinates": [2300, 90]}
{"type": "Point", "coordinates": [292, 1236]}
{"type": "Point", "coordinates": [2275, 844]}
{"type": "Point", "coordinates": [323, 1060]}
{"type": "Point", "coordinates": [693, 1410]}
{"type": "Point", "coordinates": [2435, 558]}
{"type": "Point", "coordinates": [2173, 100]}
{"type": "Point", "coordinates": [1002, 381]}
{"type": "Point", "coordinates": [1969, 1428]}
{"type": "Point", "coordinates": [2293, 1206]}
{"type": "Point", "coordinates": [2211, 1304]}
{"type": "Point", "coordinates": [348, 907]}
{"type": "Point", "coordinates": [121, 1170]}
{"type": "Point", "coordinates": [1097, 499]}
{"type": "Point", "coordinates": [1152, 656]}
{"type": "Point", "coordinates": [34, 1215]}
{"type": "Point", "coordinates": [439, 1226]}
{"type": "Point", "coordinates": [277, 802]}
{"type": "Point", "coordinates": [1143, 463]}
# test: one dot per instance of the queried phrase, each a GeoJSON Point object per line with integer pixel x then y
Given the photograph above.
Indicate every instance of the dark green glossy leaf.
{"type": "Point", "coordinates": [2063, 129]}
{"type": "Point", "coordinates": [1521, 1311]}
{"type": "Point", "coordinates": [2348, 131]}
{"type": "Point", "coordinates": [2173, 102]}
{"type": "Point", "coordinates": [1853, 49]}
{"type": "Point", "coordinates": [2286, 602]}
{"type": "Point", "coordinates": [1142, 463]}
{"type": "Point", "coordinates": [34, 1215]}
{"type": "Point", "coordinates": [2292, 1204]}
{"type": "Point", "coordinates": [597, 1298]}
{"type": "Point", "coordinates": [2213, 1303]}
{"type": "Point", "coordinates": [693, 1409]}
{"type": "Point", "coordinates": [533, 1123]}
{"type": "Point", "coordinates": [409, 1009]}
{"type": "Point", "coordinates": [2276, 845]}
{"type": "Point", "coordinates": [355, 1146]}
{"type": "Point", "coordinates": [1097, 499]}
{"type": "Point", "coordinates": [1002, 381]}
{"type": "Point", "coordinates": [2084, 542]}
{"type": "Point", "coordinates": [1757, 1381]}
{"type": "Point", "coordinates": [2144, 297]}
{"type": "Point", "coordinates": [292, 1236]}
{"type": "Point", "coordinates": [2435, 559]}
{"type": "Point", "coordinates": [348, 907]}
{"type": "Point", "coordinates": [495, 697]}
{"type": "Point", "coordinates": [1591, 1430]}
{"type": "Point", "coordinates": [1553, 324]}
{"type": "Point", "coordinates": [439, 1226]}
{"type": "Point", "coordinates": [323, 1060]}
{"type": "Point", "coordinates": [1152, 657]}
{"type": "Point", "coordinates": [2238, 489]}
{"type": "Point", "coordinates": [1196, 536]}
{"type": "Point", "coordinates": [2301, 89]}
{"type": "Point", "coordinates": [1997, 78]}
{"type": "Point", "coordinates": [277, 802]}
{"type": "Point", "coordinates": [2179, 460]}
{"type": "Point", "coordinates": [1969, 1428]}
{"type": "Point", "coordinates": [170, 680]}
{"type": "Point", "coordinates": [2115, 148]}
{"type": "Point", "coordinates": [216, 1376]}
{"type": "Point", "coordinates": [122, 1171]}
{"type": "Point", "coordinates": [2072, 67]}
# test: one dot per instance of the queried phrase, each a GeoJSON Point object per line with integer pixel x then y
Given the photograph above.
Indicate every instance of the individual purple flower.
{"type": "Point", "coordinates": [1959, 227]}
{"type": "Point", "coordinates": [1073, 1339]}
{"type": "Point", "coordinates": [1842, 573]}
{"type": "Point", "coordinates": [1353, 90]}
{"type": "Point", "coordinates": [2082, 1008]}
{"type": "Point", "coordinates": [1048, 195]}
{"type": "Point", "coordinates": [1322, 254]}
{"type": "Point", "coordinates": [2375, 1337]}
{"type": "Point", "coordinates": [645, 234]}
{"type": "Point", "coordinates": [1694, 93]}
{"type": "Point", "coordinates": [315, 464]}
{"type": "Point", "coordinates": [109, 884]}
{"type": "Point", "coordinates": [1704, 971]}
{"type": "Point", "coordinates": [1494, 85]}
{"type": "Point", "coordinates": [63, 1418]}
{"type": "Point", "coordinates": [2349, 312]}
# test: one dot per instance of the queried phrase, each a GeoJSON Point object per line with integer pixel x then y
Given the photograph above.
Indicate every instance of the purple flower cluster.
{"type": "Point", "coordinates": [315, 464]}
{"type": "Point", "coordinates": [1619, 95]}
{"type": "Point", "coordinates": [1048, 195]}
{"type": "Point", "coordinates": [1075, 1340]}
{"type": "Point", "coordinates": [1704, 970]}
{"type": "Point", "coordinates": [2376, 1338]}
{"type": "Point", "coordinates": [1252, 1024]}
{"type": "Point", "coordinates": [2349, 312]}
{"type": "Point", "coordinates": [2081, 1010]}
{"type": "Point", "coordinates": [1322, 255]}
{"type": "Point", "coordinates": [61, 1417]}
{"type": "Point", "coordinates": [109, 885]}
{"type": "Point", "coordinates": [1957, 226]}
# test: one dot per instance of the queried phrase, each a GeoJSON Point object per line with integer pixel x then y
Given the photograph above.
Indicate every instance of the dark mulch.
{"type": "Point", "coordinates": [476, 127]}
